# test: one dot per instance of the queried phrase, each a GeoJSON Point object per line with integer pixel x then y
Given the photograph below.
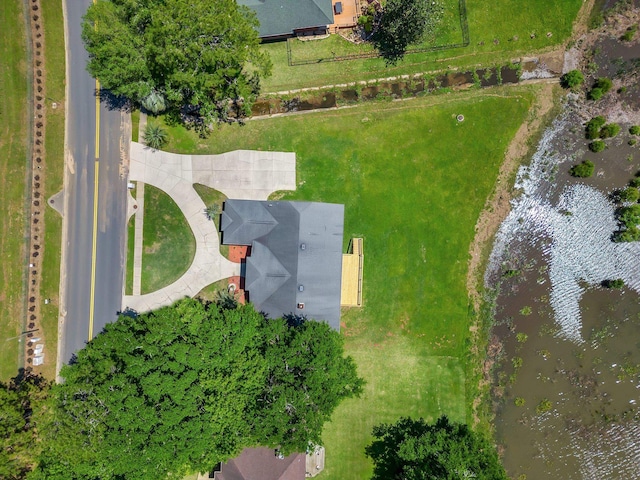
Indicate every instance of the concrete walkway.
{"type": "Point", "coordinates": [242, 174]}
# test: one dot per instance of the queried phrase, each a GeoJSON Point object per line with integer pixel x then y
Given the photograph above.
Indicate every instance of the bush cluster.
{"type": "Point", "coordinates": [583, 170]}
{"type": "Point", "coordinates": [592, 129]}
{"type": "Point", "coordinates": [617, 283]}
{"type": "Point", "coordinates": [597, 146]}
{"type": "Point", "coordinates": [600, 88]}
{"type": "Point", "coordinates": [572, 79]}
{"type": "Point", "coordinates": [630, 194]}
{"type": "Point", "coordinates": [609, 130]}
{"type": "Point", "coordinates": [629, 33]}
{"type": "Point", "coordinates": [629, 218]}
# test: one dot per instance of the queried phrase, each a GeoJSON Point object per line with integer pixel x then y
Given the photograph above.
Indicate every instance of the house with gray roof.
{"type": "Point", "coordinates": [286, 18]}
{"type": "Point", "coordinates": [295, 264]}
{"type": "Point", "coordinates": [262, 464]}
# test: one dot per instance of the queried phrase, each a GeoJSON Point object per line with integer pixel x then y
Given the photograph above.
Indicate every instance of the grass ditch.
{"type": "Point", "coordinates": [413, 180]}
{"type": "Point", "coordinates": [168, 243]}
{"type": "Point", "coordinates": [498, 31]}
{"type": "Point", "coordinates": [13, 166]}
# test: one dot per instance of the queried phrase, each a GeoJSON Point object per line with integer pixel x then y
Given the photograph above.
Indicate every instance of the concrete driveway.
{"type": "Point", "coordinates": [242, 174]}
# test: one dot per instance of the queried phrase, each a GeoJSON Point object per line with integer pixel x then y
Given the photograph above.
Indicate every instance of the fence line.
{"type": "Point", "coordinates": [464, 26]}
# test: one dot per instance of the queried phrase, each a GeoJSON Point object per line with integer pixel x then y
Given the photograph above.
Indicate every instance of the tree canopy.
{"type": "Point", "coordinates": [401, 23]}
{"type": "Point", "coordinates": [183, 388]}
{"type": "Point", "coordinates": [201, 55]}
{"type": "Point", "coordinates": [20, 401]}
{"type": "Point", "coordinates": [416, 450]}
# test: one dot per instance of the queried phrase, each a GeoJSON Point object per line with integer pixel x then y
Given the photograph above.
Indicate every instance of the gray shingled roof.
{"type": "Point", "coordinates": [282, 17]}
{"type": "Point", "coordinates": [296, 255]}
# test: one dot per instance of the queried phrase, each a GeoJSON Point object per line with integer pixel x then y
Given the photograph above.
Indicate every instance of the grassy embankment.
{"type": "Point", "coordinates": [54, 147]}
{"type": "Point", "coordinates": [168, 244]}
{"type": "Point", "coordinates": [13, 164]}
{"type": "Point", "coordinates": [499, 31]}
{"type": "Point", "coordinates": [413, 181]}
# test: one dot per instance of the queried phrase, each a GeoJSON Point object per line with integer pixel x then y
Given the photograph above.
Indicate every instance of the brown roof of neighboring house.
{"type": "Point", "coordinates": [263, 464]}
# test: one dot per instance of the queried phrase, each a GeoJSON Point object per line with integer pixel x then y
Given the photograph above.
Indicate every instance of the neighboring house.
{"type": "Point", "coordinates": [263, 464]}
{"type": "Point", "coordinates": [295, 261]}
{"type": "Point", "coordinates": [280, 19]}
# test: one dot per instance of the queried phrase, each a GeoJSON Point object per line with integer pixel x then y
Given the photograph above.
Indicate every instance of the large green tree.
{"type": "Point", "coordinates": [21, 402]}
{"type": "Point", "coordinates": [401, 23]}
{"type": "Point", "coordinates": [200, 56]}
{"type": "Point", "coordinates": [180, 389]}
{"type": "Point", "coordinates": [416, 450]}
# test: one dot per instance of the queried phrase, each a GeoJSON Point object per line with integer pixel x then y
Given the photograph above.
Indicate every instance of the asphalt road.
{"type": "Point", "coordinates": [92, 274]}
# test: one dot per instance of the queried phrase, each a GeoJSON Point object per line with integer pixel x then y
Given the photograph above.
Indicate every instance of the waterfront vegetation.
{"type": "Point", "coordinates": [401, 169]}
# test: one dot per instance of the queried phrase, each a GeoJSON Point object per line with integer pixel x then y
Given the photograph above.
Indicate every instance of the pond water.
{"type": "Point", "coordinates": [567, 394]}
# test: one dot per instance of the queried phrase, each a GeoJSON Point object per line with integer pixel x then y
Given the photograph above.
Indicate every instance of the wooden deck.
{"type": "Point", "coordinates": [349, 16]}
{"type": "Point", "coordinates": [315, 462]}
{"type": "Point", "coordinates": [352, 272]}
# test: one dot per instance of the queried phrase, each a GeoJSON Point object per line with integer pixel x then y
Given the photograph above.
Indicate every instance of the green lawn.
{"type": "Point", "coordinates": [54, 146]}
{"type": "Point", "coordinates": [447, 32]}
{"type": "Point", "coordinates": [213, 198]}
{"type": "Point", "coordinates": [493, 27]}
{"type": "Point", "coordinates": [13, 158]}
{"type": "Point", "coordinates": [413, 182]}
{"type": "Point", "coordinates": [131, 235]}
{"type": "Point", "coordinates": [135, 125]}
{"type": "Point", "coordinates": [168, 243]}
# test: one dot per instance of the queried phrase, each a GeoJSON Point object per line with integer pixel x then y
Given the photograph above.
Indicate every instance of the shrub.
{"type": "Point", "coordinates": [635, 182]}
{"type": "Point", "coordinates": [583, 170]}
{"type": "Point", "coordinates": [629, 235]}
{"type": "Point", "coordinates": [597, 146]}
{"type": "Point", "coordinates": [629, 33]}
{"type": "Point", "coordinates": [617, 283]}
{"type": "Point", "coordinates": [595, 94]}
{"type": "Point", "coordinates": [572, 79]}
{"type": "Point", "coordinates": [630, 194]}
{"type": "Point", "coordinates": [522, 337]}
{"type": "Point", "coordinates": [601, 87]}
{"type": "Point", "coordinates": [632, 142]}
{"type": "Point", "coordinates": [593, 127]}
{"type": "Point", "coordinates": [629, 216]}
{"type": "Point", "coordinates": [609, 130]}
{"type": "Point", "coordinates": [544, 406]}
{"type": "Point", "coordinates": [634, 130]}
{"type": "Point", "coordinates": [154, 136]}
{"type": "Point", "coordinates": [604, 84]}
{"type": "Point", "coordinates": [519, 402]}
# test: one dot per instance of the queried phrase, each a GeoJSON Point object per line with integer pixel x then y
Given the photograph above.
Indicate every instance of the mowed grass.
{"type": "Point", "coordinates": [13, 163]}
{"type": "Point", "coordinates": [413, 181]}
{"type": "Point", "coordinates": [168, 244]}
{"type": "Point", "coordinates": [493, 28]}
{"type": "Point", "coordinates": [54, 147]}
{"type": "Point", "coordinates": [447, 31]}
{"type": "Point", "coordinates": [213, 198]}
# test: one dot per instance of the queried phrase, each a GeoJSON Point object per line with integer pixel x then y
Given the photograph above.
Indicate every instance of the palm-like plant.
{"type": "Point", "coordinates": [154, 136]}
